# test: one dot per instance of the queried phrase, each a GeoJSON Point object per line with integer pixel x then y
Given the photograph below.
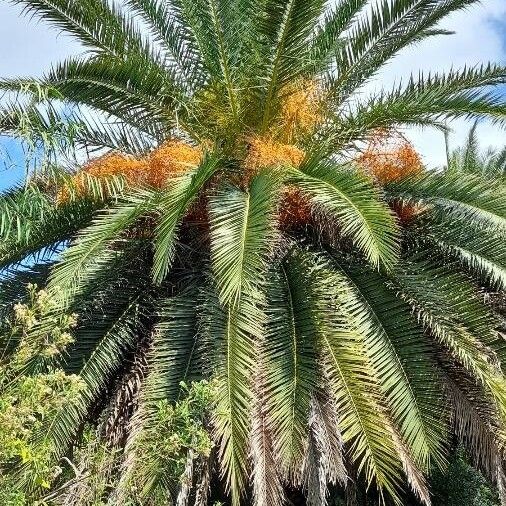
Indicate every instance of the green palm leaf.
{"type": "Point", "coordinates": [329, 38]}
{"type": "Point", "coordinates": [242, 235]}
{"type": "Point", "coordinates": [93, 22]}
{"type": "Point", "coordinates": [229, 333]}
{"type": "Point", "coordinates": [393, 340]}
{"type": "Point", "coordinates": [426, 101]}
{"type": "Point", "coordinates": [456, 324]}
{"type": "Point", "coordinates": [465, 197]}
{"type": "Point", "coordinates": [356, 205]}
{"type": "Point", "coordinates": [176, 349]}
{"type": "Point", "coordinates": [378, 35]}
{"type": "Point", "coordinates": [61, 133]}
{"type": "Point", "coordinates": [359, 401]}
{"type": "Point", "coordinates": [290, 354]}
{"type": "Point", "coordinates": [166, 28]}
{"type": "Point", "coordinates": [31, 225]}
{"type": "Point", "coordinates": [483, 254]}
{"type": "Point", "coordinates": [287, 25]}
{"type": "Point", "coordinates": [90, 251]}
{"type": "Point", "coordinates": [101, 83]}
{"type": "Point", "coordinates": [175, 202]}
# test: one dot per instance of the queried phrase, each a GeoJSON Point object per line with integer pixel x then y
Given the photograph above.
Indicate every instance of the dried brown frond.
{"type": "Point", "coordinates": [198, 212]}
{"type": "Point", "coordinates": [123, 401]}
{"type": "Point", "coordinates": [415, 476]}
{"type": "Point", "coordinates": [476, 423]}
{"type": "Point", "coordinates": [324, 460]}
{"type": "Point", "coordinates": [407, 212]}
{"type": "Point", "coordinates": [267, 487]}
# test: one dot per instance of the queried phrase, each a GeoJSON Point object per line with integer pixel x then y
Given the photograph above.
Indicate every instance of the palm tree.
{"type": "Point", "coordinates": [229, 236]}
{"type": "Point", "coordinates": [471, 159]}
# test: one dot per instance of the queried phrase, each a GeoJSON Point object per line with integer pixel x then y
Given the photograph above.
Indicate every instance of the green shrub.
{"type": "Point", "coordinates": [462, 485]}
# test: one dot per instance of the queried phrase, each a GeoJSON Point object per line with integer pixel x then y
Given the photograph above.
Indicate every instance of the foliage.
{"type": "Point", "coordinates": [471, 159]}
{"type": "Point", "coordinates": [338, 309]}
{"type": "Point", "coordinates": [462, 484]}
{"type": "Point", "coordinates": [177, 434]}
{"type": "Point", "coordinates": [34, 340]}
{"type": "Point", "coordinates": [30, 400]}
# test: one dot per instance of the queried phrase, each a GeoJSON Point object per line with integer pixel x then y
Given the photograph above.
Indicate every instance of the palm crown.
{"type": "Point", "coordinates": [233, 233]}
{"type": "Point", "coordinates": [471, 159]}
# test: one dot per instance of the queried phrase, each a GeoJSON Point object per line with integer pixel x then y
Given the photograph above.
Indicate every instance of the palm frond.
{"type": "Point", "coordinates": [356, 205]}
{"type": "Point", "coordinates": [45, 130]}
{"type": "Point", "coordinates": [242, 235]}
{"type": "Point", "coordinates": [175, 201]}
{"type": "Point", "coordinates": [291, 367]}
{"type": "Point", "coordinates": [477, 250]}
{"type": "Point", "coordinates": [426, 101]}
{"type": "Point", "coordinates": [33, 227]}
{"type": "Point", "coordinates": [91, 250]}
{"type": "Point", "coordinates": [95, 23]}
{"type": "Point", "coordinates": [324, 459]}
{"type": "Point", "coordinates": [114, 87]}
{"type": "Point", "coordinates": [359, 401]}
{"type": "Point", "coordinates": [167, 29]}
{"type": "Point", "coordinates": [218, 11]}
{"type": "Point", "coordinates": [287, 26]}
{"type": "Point", "coordinates": [197, 23]}
{"type": "Point", "coordinates": [416, 479]}
{"type": "Point", "coordinates": [329, 36]}
{"type": "Point", "coordinates": [61, 133]}
{"type": "Point", "coordinates": [381, 33]}
{"type": "Point", "coordinates": [19, 208]}
{"type": "Point", "coordinates": [228, 335]}
{"type": "Point", "coordinates": [175, 347]}
{"type": "Point", "coordinates": [96, 134]}
{"type": "Point", "coordinates": [473, 421]}
{"type": "Point", "coordinates": [393, 339]}
{"type": "Point", "coordinates": [472, 147]}
{"type": "Point", "coordinates": [466, 197]}
{"type": "Point", "coordinates": [267, 486]}
{"type": "Point", "coordinates": [465, 305]}
{"type": "Point", "coordinates": [455, 323]}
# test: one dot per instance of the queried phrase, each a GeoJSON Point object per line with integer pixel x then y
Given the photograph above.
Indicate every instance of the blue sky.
{"type": "Point", "coordinates": [28, 47]}
{"type": "Point", "coordinates": [11, 166]}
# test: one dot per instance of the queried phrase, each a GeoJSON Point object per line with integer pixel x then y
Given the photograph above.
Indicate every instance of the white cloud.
{"type": "Point", "coordinates": [29, 47]}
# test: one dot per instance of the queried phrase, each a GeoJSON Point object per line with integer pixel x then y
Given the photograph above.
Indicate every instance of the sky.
{"type": "Point", "coordinates": [28, 47]}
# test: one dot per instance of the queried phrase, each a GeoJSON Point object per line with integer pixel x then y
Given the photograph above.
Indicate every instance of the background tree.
{"type": "Point", "coordinates": [470, 158]}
